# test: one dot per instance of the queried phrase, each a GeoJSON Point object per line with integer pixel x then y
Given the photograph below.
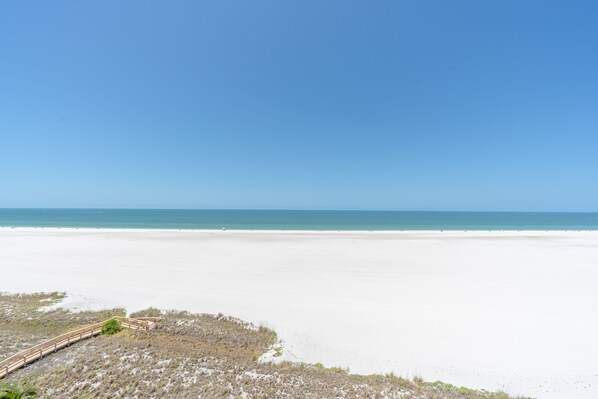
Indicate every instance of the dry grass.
{"type": "Point", "coordinates": [188, 356]}
{"type": "Point", "coordinates": [23, 322]}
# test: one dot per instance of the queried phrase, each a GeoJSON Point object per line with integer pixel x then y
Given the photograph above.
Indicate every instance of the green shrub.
{"type": "Point", "coordinates": [319, 366]}
{"type": "Point", "coordinates": [17, 391]}
{"type": "Point", "coordinates": [111, 327]}
{"type": "Point", "coordinates": [277, 351]}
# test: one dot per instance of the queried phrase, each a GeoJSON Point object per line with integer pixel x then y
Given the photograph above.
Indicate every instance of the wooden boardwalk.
{"type": "Point", "coordinates": [36, 352]}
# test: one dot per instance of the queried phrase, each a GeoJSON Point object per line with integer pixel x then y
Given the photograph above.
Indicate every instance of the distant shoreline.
{"type": "Point", "coordinates": [279, 220]}
{"type": "Point", "coordinates": [286, 231]}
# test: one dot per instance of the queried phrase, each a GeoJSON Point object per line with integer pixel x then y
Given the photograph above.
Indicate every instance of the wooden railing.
{"type": "Point", "coordinates": [36, 352]}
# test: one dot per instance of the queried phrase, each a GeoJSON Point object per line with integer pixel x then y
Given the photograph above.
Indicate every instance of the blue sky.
{"type": "Point", "coordinates": [411, 105]}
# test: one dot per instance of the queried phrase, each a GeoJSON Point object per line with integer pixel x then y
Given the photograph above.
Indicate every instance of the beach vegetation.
{"type": "Point", "coordinates": [20, 390]}
{"type": "Point", "coordinates": [339, 370]}
{"type": "Point", "coordinates": [111, 327]}
{"type": "Point", "coordinates": [465, 392]}
{"type": "Point", "coordinates": [319, 366]}
{"type": "Point", "coordinates": [277, 351]}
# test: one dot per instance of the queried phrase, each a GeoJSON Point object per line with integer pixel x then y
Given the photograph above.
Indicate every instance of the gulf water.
{"type": "Point", "coordinates": [295, 219]}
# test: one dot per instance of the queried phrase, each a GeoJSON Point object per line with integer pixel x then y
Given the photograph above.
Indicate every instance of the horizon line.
{"type": "Point", "coordinates": [285, 210]}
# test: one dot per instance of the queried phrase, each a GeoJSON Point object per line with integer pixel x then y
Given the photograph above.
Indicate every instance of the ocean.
{"type": "Point", "coordinates": [295, 219]}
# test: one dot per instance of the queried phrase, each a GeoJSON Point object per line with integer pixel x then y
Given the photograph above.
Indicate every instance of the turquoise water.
{"type": "Point", "coordinates": [295, 220]}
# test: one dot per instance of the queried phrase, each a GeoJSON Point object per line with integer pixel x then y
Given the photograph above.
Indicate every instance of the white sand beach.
{"type": "Point", "coordinates": [516, 311]}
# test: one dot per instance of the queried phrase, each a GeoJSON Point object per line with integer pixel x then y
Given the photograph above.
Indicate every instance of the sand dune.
{"type": "Point", "coordinates": [496, 310]}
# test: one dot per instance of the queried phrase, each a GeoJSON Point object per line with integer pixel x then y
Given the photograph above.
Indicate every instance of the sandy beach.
{"type": "Point", "coordinates": [514, 311]}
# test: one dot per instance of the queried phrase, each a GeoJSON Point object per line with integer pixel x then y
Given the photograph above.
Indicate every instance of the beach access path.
{"type": "Point", "coordinates": [61, 341]}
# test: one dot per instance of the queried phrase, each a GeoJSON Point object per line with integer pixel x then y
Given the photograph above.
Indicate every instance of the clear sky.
{"type": "Point", "coordinates": [412, 105]}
